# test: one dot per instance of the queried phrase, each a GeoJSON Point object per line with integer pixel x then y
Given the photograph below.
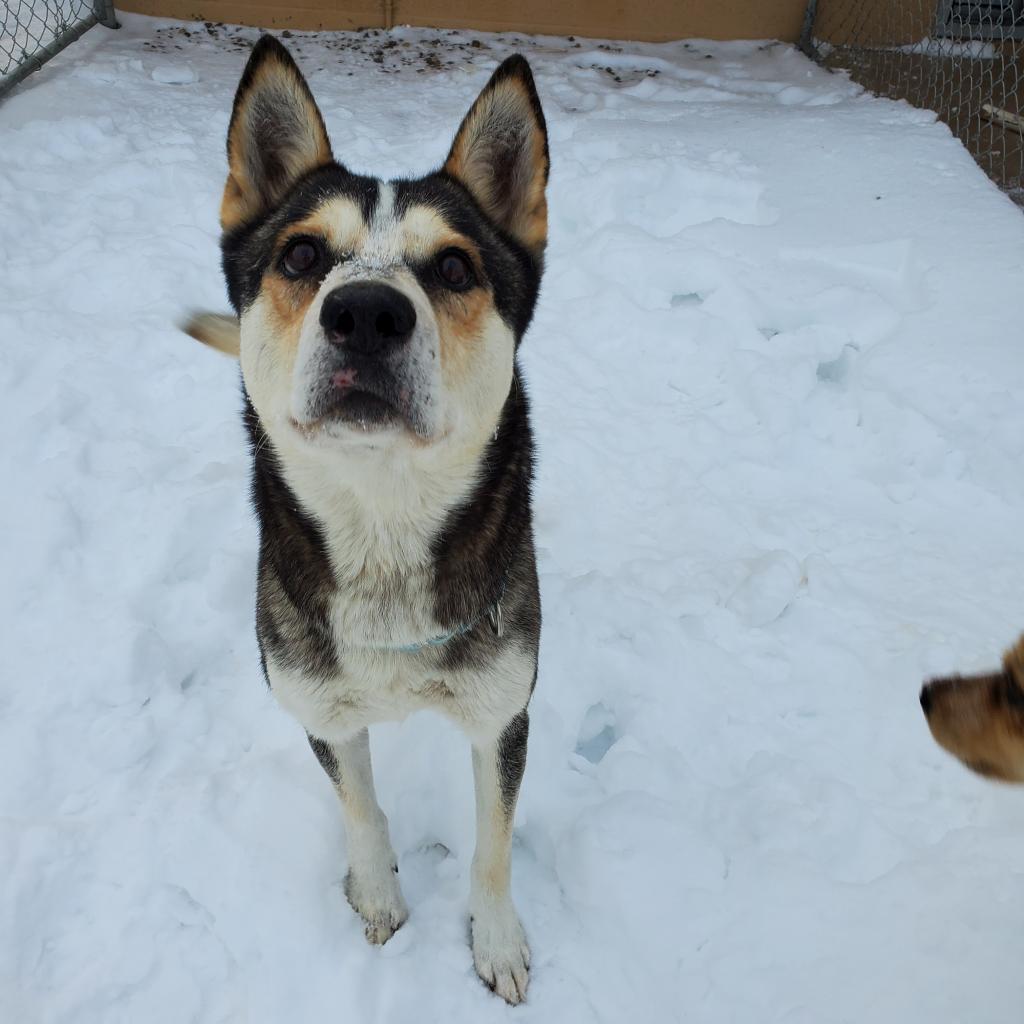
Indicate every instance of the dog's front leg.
{"type": "Point", "coordinates": [500, 951]}
{"type": "Point", "coordinates": [371, 884]}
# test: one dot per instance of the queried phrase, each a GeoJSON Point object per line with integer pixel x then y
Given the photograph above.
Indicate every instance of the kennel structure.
{"type": "Point", "coordinates": [32, 31]}
{"type": "Point", "coordinates": [960, 58]}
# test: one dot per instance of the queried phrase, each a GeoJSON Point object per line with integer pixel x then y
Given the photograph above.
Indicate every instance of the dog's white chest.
{"type": "Point", "coordinates": [381, 609]}
{"type": "Point", "coordinates": [377, 686]}
{"type": "Point", "coordinates": [371, 686]}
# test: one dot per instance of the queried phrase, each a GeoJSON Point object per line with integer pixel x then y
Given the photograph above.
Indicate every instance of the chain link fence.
{"type": "Point", "coordinates": [961, 58]}
{"type": "Point", "coordinates": [34, 30]}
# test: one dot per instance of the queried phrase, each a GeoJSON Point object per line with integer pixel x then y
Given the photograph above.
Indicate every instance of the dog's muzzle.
{"type": "Point", "coordinates": [365, 371]}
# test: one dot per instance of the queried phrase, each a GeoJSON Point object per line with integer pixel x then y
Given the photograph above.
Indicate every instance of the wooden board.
{"type": "Point", "coordinates": [608, 19]}
{"type": "Point", "coordinates": [302, 14]}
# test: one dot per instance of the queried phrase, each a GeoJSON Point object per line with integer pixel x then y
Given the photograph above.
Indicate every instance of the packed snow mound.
{"type": "Point", "coordinates": [777, 371]}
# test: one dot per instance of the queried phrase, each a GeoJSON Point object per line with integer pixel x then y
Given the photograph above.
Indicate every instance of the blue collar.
{"type": "Point", "coordinates": [492, 612]}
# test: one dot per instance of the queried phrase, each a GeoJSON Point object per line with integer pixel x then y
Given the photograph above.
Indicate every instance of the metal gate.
{"type": "Point", "coordinates": [34, 30]}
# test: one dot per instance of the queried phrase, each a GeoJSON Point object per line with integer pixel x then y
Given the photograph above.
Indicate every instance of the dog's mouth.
{"type": "Point", "coordinates": [363, 409]}
{"type": "Point", "coordinates": [365, 401]}
{"type": "Point", "coordinates": [357, 410]}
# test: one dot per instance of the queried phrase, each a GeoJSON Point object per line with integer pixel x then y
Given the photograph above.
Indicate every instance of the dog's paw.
{"type": "Point", "coordinates": [500, 952]}
{"type": "Point", "coordinates": [377, 898]}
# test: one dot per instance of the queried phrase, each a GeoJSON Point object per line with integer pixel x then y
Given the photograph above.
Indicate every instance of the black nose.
{"type": "Point", "coordinates": [926, 698]}
{"type": "Point", "coordinates": [367, 317]}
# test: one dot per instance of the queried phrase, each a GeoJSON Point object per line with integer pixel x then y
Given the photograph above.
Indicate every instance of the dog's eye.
{"type": "Point", "coordinates": [300, 258]}
{"type": "Point", "coordinates": [455, 270]}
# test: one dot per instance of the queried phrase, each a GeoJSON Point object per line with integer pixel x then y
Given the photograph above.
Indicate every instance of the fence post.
{"type": "Point", "coordinates": [104, 11]}
{"type": "Point", "coordinates": [807, 31]}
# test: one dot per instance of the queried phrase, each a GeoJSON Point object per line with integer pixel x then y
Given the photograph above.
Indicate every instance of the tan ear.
{"type": "Point", "coordinates": [276, 134]}
{"type": "Point", "coordinates": [500, 154]}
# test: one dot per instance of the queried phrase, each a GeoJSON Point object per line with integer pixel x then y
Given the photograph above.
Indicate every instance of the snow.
{"type": "Point", "coordinates": [776, 372]}
{"type": "Point", "coordinates": [978, 49]}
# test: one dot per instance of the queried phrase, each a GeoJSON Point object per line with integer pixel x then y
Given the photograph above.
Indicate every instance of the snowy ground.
{"type": "Point", "coordinates": [777, 370]}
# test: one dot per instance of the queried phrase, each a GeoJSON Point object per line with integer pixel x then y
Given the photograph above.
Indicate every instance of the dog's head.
{"type": "Point", "coordinates": [980, 719]}
{"type": "Point", "coordinates": [380, 313]}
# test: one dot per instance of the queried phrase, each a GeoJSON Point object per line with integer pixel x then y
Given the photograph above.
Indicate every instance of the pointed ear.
{"type": "Point", "coordinates": [276, 134]}
{"type": "Point", "coordinates": [500, 154]}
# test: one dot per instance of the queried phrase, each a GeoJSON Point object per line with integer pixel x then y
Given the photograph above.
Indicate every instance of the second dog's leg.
{"type": "Point", "coordinates": [500, 952]}
{"type": "Point", "coordinates": [371, 884]}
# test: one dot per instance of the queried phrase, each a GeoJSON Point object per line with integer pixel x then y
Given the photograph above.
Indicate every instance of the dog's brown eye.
{"type": "Point", "coordinates": [455, 270]}
{"type": "Point", "coordinates": [300, 258]}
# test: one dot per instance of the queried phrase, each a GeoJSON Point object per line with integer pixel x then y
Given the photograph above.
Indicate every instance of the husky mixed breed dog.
{"type": "Point", "coordinates": [378, 325]}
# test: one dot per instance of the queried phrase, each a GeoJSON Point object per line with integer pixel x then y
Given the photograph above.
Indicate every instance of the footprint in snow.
{"type": "Point", "coordinates": [836, 371]}
{"type": "Point", "coordinates": [598, 733]}
{"type": "Point", "coordinates": [770, 587]}
{"type": "Point", "coordinates": [173, 74]}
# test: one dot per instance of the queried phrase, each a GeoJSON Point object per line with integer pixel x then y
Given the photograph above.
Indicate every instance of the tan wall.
{"type": "Point", "coordinates": [615, 19]}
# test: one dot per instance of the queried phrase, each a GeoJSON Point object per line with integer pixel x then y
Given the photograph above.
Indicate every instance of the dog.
{"type": "Point", "coordinates": [980, 719]}
{"type": "Point", "coordinates": [377, 325]}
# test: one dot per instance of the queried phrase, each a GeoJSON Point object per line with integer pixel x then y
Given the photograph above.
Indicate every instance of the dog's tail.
{"type": "Point", "coordinates": [218, 330]}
